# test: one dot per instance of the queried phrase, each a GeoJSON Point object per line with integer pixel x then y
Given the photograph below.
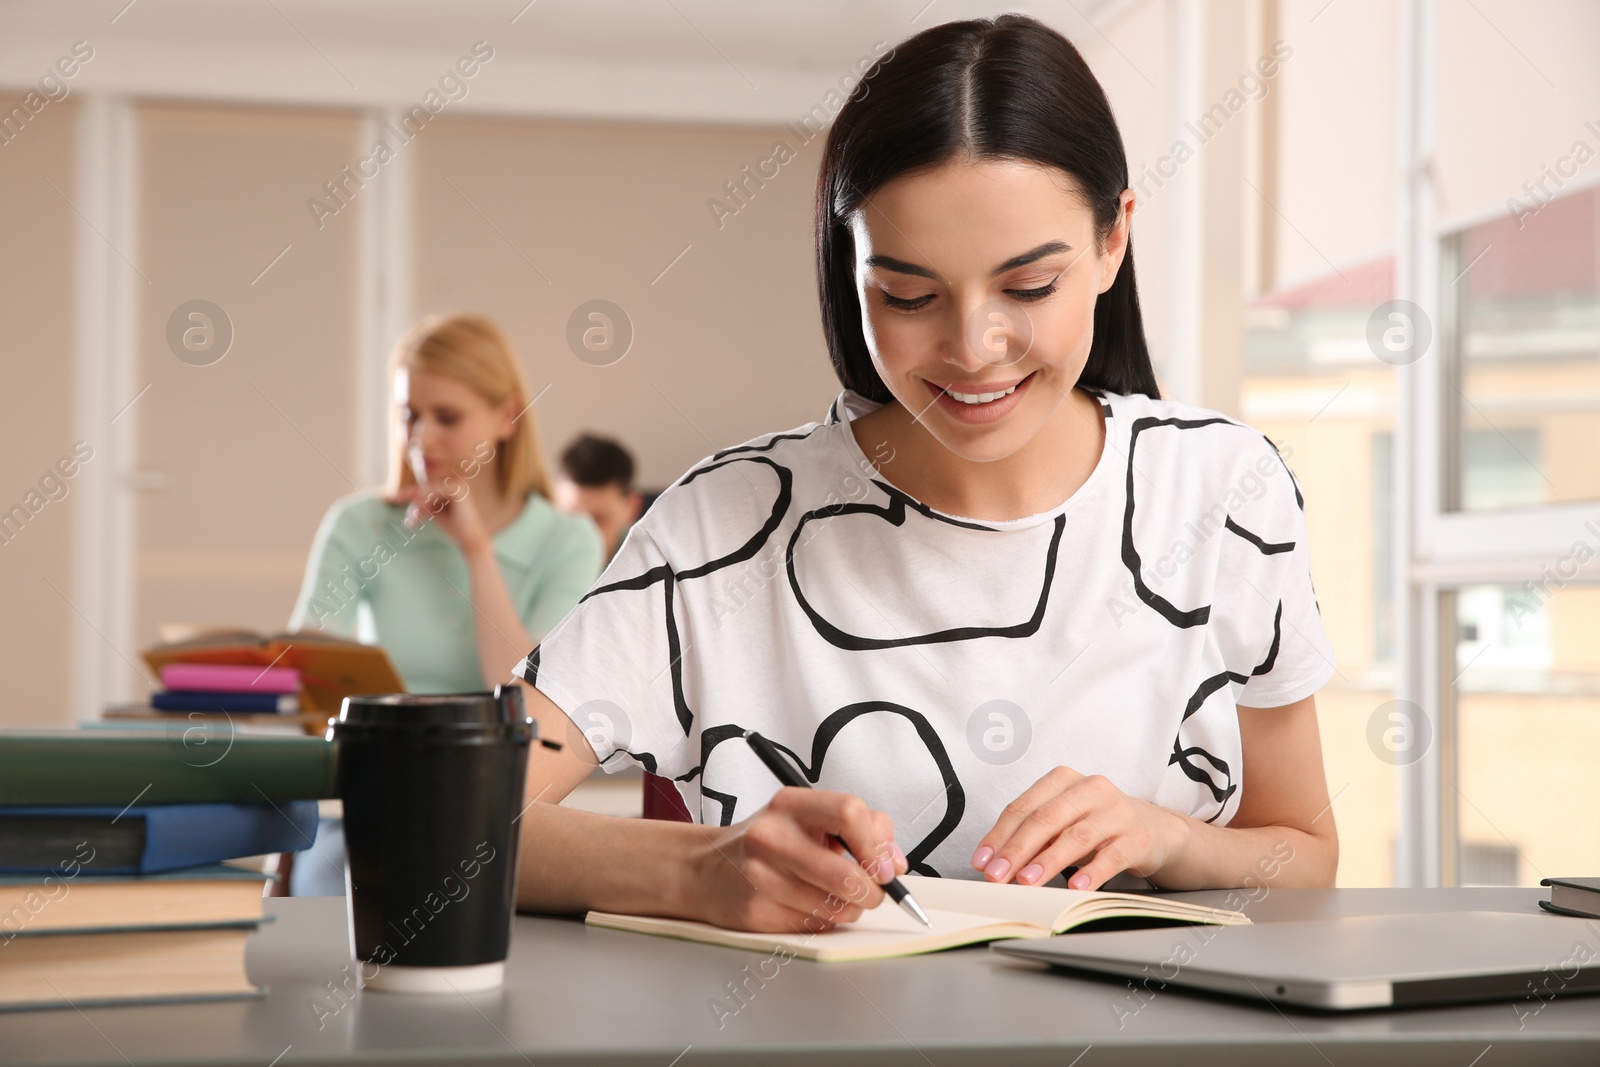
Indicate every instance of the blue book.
{"type": "Point", "coordinates": [248, 703]}
{"type": "Point", "coordinates": [152, 837]}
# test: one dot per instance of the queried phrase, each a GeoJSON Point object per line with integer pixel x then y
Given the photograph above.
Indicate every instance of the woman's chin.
{"type": "Point", "coordinates": [987, 444]}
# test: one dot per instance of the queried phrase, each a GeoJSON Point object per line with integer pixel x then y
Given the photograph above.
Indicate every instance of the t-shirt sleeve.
{"type": "Point", "coordinates": [328, 600]}
{"type": "Point", "coordinates": [614, 663]}
{"type": "Point", "coordinates": [1268, 567]}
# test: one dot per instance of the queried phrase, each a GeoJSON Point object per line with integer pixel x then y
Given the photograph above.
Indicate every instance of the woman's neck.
{"type": "Point", "coordinates": [495, 508]}
{"type": "Point", "coordinates": [1038, 477]}
{"type": "Point", "coordinates": [500, 513]}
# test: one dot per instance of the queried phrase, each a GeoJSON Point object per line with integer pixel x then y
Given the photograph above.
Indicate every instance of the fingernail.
{"type": "Point", "coordinates": [1030, 873]}
{"type": "Point", "coordinates": [900, 857]}
{"type": "Point", "coordinates": [981, 858]}
{"type": "Point", "coordinates": [885, 868]}
{"type": "Point", "coordinates": [999, 868]}
{"type": "Point", "coordinates": [1079, 881]}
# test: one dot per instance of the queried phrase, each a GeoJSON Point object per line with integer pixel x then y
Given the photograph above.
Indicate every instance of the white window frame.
{"type": "Point", "coordinates": [1438, 551]}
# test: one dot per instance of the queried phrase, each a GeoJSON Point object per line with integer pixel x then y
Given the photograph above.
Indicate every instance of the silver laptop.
{"type": "Point", "coordinates": [1342, 964]}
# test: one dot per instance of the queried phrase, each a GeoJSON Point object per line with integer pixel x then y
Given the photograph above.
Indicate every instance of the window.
{"type": "Point", "coordinates": [1525, 381]}
{"type": "Point", "coordinates": [1527, 708]}
{"type": "Point", "coordinates": [1497, 442]}
{"type": "Point", "coordinates": [1519, 425]}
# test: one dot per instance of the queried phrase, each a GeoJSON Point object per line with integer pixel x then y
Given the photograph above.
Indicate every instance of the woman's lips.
{"type": "Point", "coordinates": [982, 387]}
{"type": "Point", "coordinates": [979, 414]}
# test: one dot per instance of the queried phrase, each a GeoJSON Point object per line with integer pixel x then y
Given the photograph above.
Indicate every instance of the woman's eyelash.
{"type": "Point", "coordinates": [1034, 294]}
{"type": "Point", "coordinates": [1026, 295]}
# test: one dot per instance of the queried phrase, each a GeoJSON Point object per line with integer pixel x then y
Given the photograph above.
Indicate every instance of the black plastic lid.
{"type": "Point", "coordinates": [477, 716]}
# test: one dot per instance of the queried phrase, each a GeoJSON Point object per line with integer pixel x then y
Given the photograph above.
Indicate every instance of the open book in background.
{"type": "Point", "coordinates": [962, 912]}
{"type": "Point", "coordinates": [331, 668]}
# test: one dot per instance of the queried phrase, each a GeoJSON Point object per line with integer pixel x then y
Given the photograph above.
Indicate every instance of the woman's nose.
{"type": "Point", "coordinates": [997, 333]}
{"type": "Point", "coordinates": [423, 433]}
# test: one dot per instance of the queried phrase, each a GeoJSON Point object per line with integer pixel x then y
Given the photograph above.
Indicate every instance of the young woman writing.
{"type": "Point", "coordinates": [1015, 615]}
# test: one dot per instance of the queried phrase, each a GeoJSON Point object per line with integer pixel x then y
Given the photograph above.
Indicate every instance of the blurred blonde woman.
{"type": "Point", "coordinates": [461, 563]}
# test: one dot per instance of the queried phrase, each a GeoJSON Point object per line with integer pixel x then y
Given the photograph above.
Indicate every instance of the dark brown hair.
{"type": "Point", "coordinates": [1002, 88]}
{"type": "Point", "coordinates": [594, 462]}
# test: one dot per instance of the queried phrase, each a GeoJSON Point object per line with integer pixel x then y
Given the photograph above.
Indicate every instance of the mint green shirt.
{"type": "Point", "coordinates": [372, 579]}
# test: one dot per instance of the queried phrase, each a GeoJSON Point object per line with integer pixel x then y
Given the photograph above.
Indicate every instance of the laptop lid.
{"type": "Point", "coordinates": [1340, 964]}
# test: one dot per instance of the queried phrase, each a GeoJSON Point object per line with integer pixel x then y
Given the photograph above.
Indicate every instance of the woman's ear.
{"type": "Point", "coordinates": [1117, 240]}
{"type": "Point", "coordinates": [510, 411]}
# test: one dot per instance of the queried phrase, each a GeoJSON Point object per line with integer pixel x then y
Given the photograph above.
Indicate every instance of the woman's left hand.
{"type": "Point", "coordinates": [1066, 819]}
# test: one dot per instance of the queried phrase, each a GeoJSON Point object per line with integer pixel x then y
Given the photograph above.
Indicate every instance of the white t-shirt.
{"type": "Point", "coordinates": [937, 666]}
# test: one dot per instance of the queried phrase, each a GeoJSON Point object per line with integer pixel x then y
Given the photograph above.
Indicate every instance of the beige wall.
{"type": "Point", "coordinates": [36, 310]}
{"type": "Point", "coordinates": [727, 342]}
{"type": "Point", "coordinates": [1337, 135]}
{"type": "Point", "coordinates": [240, 458]}
{"type": "Point", "coordinates": [1516, 86]}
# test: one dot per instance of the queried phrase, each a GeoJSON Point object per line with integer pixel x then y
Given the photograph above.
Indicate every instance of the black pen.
{"type": "Point", "coordinates": [788, 775]}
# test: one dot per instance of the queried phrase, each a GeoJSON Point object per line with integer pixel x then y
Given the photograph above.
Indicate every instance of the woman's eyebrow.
{"type": "Point", "coordinates": [900, 266]}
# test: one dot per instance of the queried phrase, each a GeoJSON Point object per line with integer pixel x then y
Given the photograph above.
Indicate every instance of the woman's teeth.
{"type": "Point", "coordinates": [979, 398]}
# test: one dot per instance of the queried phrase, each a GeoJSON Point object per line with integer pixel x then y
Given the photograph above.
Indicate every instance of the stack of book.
{"type": "Point", "coordinates": [329, 668]}
{"type": "Point", "coordinates": [227, 688]}
{"type": "Point", "coordinates": [254, 694]}
{"type": "Point", "coordinates": [115, 880]}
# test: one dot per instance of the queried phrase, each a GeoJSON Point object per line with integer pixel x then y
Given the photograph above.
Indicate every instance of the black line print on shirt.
{"type": "Point", "coordinates": [1131, 559]}
{"type": "Point", "coordinates": [669, 578]}
{"type": "Point", "coordinates": [895, 514]}
{"type": "Point", "coordinates": [1179, 617]}
{"type": "Point", "coordinates": [769, 446]}
{"type": "Point", "coordinates": [531, 676]}
{"type": "Point", "coordinates": [826, 733]}
{"type": "Point", "coordinates": [1185, 757]}
{"type": "Point", "coordinates": [1266, 548]}
{"type": "Point", "coordinates": [1300, 502]}
{"type": "Point", "coordinates": [1194, 761]}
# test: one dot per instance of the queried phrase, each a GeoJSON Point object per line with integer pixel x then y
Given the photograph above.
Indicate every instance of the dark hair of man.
{"type": "Point", "coordinates": [594, 462]}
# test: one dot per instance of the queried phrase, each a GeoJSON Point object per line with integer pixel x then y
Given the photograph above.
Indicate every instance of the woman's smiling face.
{"type": "Point", "coordinates": [975, 277]}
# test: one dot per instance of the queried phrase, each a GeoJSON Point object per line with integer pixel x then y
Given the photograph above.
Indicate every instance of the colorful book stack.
{"type": "Point", "coordinates": [227, 688]}
{"type": "Point", "coordinates": [331, 668]}
{"type": "Point", "coordinates": [114, 885]}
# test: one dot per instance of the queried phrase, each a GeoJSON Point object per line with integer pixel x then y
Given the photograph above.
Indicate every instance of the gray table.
{"type": "Point", "coordinates": [576, 995]}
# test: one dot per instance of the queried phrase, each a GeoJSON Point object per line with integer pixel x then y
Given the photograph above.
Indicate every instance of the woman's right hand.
{"type": "Point", "coordinates": [779, 871]}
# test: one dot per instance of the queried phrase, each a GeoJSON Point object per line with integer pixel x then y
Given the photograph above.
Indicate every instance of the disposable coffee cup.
{"type": "Point", "coordinates": [431, 786]}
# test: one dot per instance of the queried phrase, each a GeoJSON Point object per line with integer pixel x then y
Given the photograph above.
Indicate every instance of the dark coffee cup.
{"type": "Point", "coordinates": [432, 787]}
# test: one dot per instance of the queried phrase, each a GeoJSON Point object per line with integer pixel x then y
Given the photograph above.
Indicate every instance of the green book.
{"type": "Point", "coordinates": [79, 767]}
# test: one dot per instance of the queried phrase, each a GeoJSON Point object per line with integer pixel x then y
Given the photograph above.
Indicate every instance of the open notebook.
{"type": "Point", "coordinates": [962, 912]}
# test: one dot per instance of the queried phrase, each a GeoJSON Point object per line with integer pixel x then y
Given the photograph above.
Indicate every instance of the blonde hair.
{"type": "Point", "coordinates": [475, 352]}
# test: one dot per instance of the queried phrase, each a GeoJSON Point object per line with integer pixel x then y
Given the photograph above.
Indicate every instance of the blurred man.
{"type": "Point", "coordinates": [596, 478]}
